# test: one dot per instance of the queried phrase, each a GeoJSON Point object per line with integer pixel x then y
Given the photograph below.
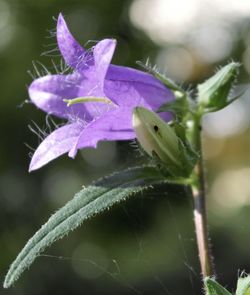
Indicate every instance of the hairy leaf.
{"type": "Point", "coordinates": [90, 201]}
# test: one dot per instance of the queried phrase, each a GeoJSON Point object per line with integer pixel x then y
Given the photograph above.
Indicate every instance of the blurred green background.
{"type": "Point", "coordinates": [146, 246]}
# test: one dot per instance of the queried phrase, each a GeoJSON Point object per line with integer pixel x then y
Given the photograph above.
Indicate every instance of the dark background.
{"type": "Point", "coordinates": [146, 246]}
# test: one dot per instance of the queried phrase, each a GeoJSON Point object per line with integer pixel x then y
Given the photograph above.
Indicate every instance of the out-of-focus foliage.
{"type": "Point", "coordinates": [147, 245]}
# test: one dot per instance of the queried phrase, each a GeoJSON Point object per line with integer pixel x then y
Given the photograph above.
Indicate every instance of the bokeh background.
{"type": "Point", "coordinates": [146, 246]}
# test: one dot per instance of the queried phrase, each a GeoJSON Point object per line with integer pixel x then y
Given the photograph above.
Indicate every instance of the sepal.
{"type": "Point", "coordinates": [166, 81]}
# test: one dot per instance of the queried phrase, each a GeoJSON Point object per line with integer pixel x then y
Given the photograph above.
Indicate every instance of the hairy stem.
{"type": "Point", "coordinates": [198, 191]}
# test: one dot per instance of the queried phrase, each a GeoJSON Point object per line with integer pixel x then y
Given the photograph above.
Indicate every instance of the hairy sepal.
{"type": "Point", "coordinates": [166, 81]}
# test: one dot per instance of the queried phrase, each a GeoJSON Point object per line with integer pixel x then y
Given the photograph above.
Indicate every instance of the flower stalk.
{"type": "Point", "coordinates": [198, 192]}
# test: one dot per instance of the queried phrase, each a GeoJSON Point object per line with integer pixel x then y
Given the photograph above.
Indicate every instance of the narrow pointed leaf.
{"type": "Point", "coordinates": [243, 286]}
{"type": "Point", "coordinates": [168, 82]}
{"type": "Point", "coordinates": [214, 288]}
{"type": "Point", "coordinates": [90, 201]}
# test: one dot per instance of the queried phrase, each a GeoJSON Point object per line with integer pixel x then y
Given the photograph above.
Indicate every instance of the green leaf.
{"type": "Point", "coordinates": [214, 288]}
{"type": "Point", "coordinates": [243, 286]}
{"type": "Point", "coordinates": [213, 94]}
{"type": "Point", "coordinates": [90, 201]}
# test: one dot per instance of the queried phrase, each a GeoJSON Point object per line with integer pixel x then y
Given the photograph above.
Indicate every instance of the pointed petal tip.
{"type": "Point", "coordinates": [110, 43]}
{"type": "Point", "coordinates": [60, 19]}
{"type": "Point", "coordinates": [107, 43]}
{"type": "Point", "coordinates": [34, 164]}
{"type": "Point", "coordinates": [113, 43]}
{"type": "Point", "coordinates": [111, 40]}
{"type": "Point", "coordinates": [103, 54]}
{"type": "Point", "coordinates": [72, 153]}
{"type": "Point", "coordinates": [57, 143]}
{"type": "Point", "coordinates": [70, 49]}
{"type": "Point", "coordinates": [61, 23]}
{"type": "Point", "coordinates": [31, 169]}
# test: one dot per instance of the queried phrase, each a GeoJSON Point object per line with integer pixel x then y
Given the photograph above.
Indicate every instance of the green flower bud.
{"type": "Point", "coordinates": [213, 94]}
{"type": "Point", "coordinates": [160, 140]}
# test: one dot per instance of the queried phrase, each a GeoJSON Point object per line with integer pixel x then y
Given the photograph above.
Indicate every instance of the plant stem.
{"type": "Point", "coordinates": [198, 191]}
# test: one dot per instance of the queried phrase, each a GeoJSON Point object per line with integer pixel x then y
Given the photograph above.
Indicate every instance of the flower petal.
{"type": "Point", "coordinates": [103, 53]}
{"type": "Point", "coordinates": [57, 143]}
{"type": "Point", "coordinates": [48, 92]}
{"type": "Point", "coordinates": [77, 57]}
{"type": "Point", "coordinates": [121, 73]}
{"type": "Point", "coordinates": [72, 52]}
{"type": "Point", "coordinates": [95, 75]}
{"type": "Point", "coordinates": [129, 87]}
{"type": "Point", "coordinates": [113, 125]}
{"type": "Point", "coordinates": [132, 94]}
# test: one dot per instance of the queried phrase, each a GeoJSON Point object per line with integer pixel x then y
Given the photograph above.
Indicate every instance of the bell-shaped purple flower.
{"type": "Point", "coordinates": [92, 76]}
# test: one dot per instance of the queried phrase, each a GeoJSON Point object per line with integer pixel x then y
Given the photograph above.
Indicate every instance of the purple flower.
{"type": "Point", "coordinates": [92, 76]}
